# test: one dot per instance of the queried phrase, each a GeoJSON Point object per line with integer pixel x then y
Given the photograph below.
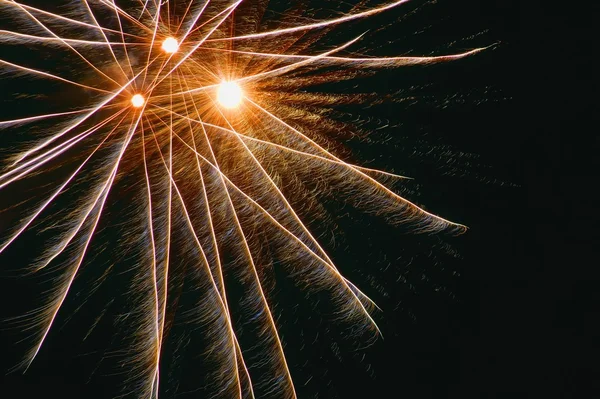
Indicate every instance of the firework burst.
{"type": "Point", "coordinates": [199, 126]}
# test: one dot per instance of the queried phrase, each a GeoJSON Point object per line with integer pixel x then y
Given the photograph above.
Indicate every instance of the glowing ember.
{"type": "Point", "coordinates": [229, 94]}
{"type": "Point", "coordinates": [137, 100]}
{"type": "Point", "coordinates": [170, 45]}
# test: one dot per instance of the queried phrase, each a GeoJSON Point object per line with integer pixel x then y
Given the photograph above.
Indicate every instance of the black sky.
{"type": "Point", "coordinates": [493, 322]}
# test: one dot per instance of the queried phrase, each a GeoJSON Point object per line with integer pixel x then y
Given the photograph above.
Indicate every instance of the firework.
{"type": "Point", "coordinates": [197, 125]}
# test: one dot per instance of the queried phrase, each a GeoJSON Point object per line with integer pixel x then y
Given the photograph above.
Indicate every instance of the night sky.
{"type": "Point", "coordinates": [482, 315]}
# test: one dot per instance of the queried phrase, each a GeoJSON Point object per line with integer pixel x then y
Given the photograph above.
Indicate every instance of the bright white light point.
{"type": "Point", "coordinates": [137, 100]}
{"type": "Point", "coordinates": [170, 45]}
{"type": "Point", "coordinates": [229, 94]}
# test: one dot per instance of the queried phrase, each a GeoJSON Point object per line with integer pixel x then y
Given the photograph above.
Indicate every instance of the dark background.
{"type": "Point", "coordinates": [512, 315]}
